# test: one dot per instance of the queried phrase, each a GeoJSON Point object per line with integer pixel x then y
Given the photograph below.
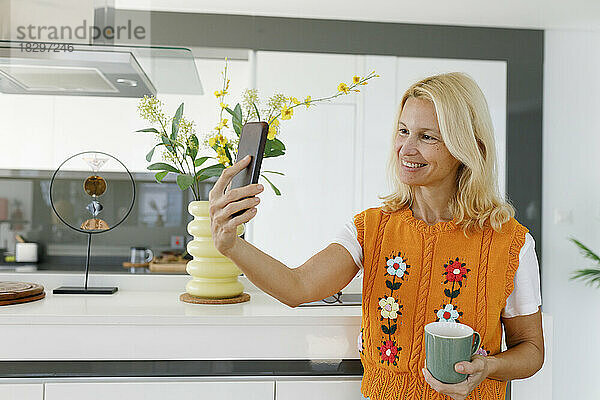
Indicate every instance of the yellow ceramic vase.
{"type": "Point", "coordinates": [214, 276]}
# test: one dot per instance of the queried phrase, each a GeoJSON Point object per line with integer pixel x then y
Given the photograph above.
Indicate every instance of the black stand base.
{"type": "Point", "coordinates": [83, 290]}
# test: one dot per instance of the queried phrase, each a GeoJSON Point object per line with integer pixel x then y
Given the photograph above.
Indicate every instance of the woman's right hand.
{"type": "Point", "coordinates": [222, 204]}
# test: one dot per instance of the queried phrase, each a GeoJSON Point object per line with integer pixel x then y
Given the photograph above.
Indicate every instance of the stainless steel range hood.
{"type": "Point", "coordinates": [96, 70]}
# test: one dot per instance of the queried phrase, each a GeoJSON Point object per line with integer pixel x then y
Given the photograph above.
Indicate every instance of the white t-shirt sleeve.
{"type": "Point", "coordinates": [525, 298]}
{"type": "Point", "coordinates": [347, 237]}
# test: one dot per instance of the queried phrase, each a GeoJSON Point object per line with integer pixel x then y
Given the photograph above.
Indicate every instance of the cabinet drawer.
{"type": "Point", "coordinates": [20, 391]}
{"type": "Point", "coordinates": [224, 390]}
{"type": "Point", "coordinates": [334, 389]}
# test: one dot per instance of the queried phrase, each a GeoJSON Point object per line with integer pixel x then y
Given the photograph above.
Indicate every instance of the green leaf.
{"type": "Point", "coordinates": [153, 130]}
{"type": "Point", "coordinates": [150, 154]}
{"type": "Point", "coordinates": [590, 275]}
{"type": "Point", "coordinates": [385, 329]}
{"type": "Point", "coordinates": [213, 170]}
{"type": "Point", "coordinates": [200, 161]}
{"type": "Point", "coordinates": [164, 167]}
{"type": "Point", "coordinates": [169, 144]}
{"type": "Point", "coordinates": [257, 113]}
{"type": "Point", "coordinates": [389, 284]}
{"type": "Point", "coordinates": [193, 150]}
{"type": "Point", "coordinates": [159, 176]}
{"type": "Point", "coordinates": [237, 119]}
{"type": "Point", "coordinates": [393, 328]}
{"type": "Point", "coordinates": [277, 192]}
{"type": "Point", "coordinates": [228, 154]}
{"type": "Point", "coordinates": [184, 181]}
{"type": "Point", "coordinates": [274, 172]}
{"type": "Point", "coordinates": [274, 148]}
{"type": "Point", "coordinates": [397, 285]}
{"type": "Point", "coordinates": [448, 293]}
{"type": "Point", "coordinates": [175, 123]}
{"type": "Point", "coordinates": [587, 253]}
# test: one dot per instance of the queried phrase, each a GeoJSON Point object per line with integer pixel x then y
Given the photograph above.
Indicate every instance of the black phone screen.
{"type": "Point", "coordinates": [252, 142]}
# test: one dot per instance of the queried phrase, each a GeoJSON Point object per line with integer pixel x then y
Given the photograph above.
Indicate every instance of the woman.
{"type": "Point", "coordinates": [443, 247]}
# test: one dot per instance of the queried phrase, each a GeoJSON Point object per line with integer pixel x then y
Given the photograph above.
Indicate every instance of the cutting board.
{"type": "Point", "coordinates": [172, 267]}
{"type": "Point", "coordinates": [20, 292]}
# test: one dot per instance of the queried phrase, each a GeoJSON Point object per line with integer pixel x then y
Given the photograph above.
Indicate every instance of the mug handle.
{"type": "Point", "coordinates": [150, 255]}
{"type": "Point", "coordinates": [476, 343]}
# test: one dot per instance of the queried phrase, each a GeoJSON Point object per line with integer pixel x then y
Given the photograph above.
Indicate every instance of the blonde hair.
{"type": "Point", "coordinates": [467, 131]}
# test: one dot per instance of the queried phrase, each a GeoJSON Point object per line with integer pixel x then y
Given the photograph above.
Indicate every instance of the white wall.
{"type": "Point", "coordinates": [571, 177]}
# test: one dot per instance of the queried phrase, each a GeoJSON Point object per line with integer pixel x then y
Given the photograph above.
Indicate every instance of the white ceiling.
{"type": "Point", "coordinates": [535, 14]}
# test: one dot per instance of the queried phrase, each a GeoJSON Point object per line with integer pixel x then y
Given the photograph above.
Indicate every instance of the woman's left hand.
{"type": "Point", "coordinates": [477, 371]}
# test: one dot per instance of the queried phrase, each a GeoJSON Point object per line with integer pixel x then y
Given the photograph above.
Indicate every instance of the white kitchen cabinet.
{"type": "Point", "coordinates": [22, 391]}
{"type": "Point", "coordinates": [334, 389]}
{"type": "Point", "coordinates": [318, 189]}
{"type": "Point", "coordinates": [224, 390]}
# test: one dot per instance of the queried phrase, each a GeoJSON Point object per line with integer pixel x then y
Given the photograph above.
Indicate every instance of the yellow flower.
{"type": "Point", "coordinates": [272, 132]}
{"type": "Point", "coordinates": [275, 122]}
{"type": "Point", "coordinates": [212, 141]}
{"type": "Point", "coordinates": [294, 100]}
{"type": "Point", "coordinates": [307, 101]}
{"type": "Point", "coordinates": [218, 93]}
{"type": "Point", "coordinates": [222, 140]}
{"type": "Point", "coordinates": [342, 87]}
{"type": "Point", "coordinates": [356, 79]}
{"type": "Point", "coordinates": [223, 105]}
{"type": "Point", "coordinates": [286, 113]}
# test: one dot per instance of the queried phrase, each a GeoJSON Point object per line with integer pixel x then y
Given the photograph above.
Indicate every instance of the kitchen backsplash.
{"type": "Point", "coordinates": [158, 215]}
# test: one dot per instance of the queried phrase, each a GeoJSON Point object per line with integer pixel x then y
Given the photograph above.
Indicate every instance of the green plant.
{"type": "Point", "coordinates": [590, 275]}
{"type": "Point", "coordinates": [181, 144]}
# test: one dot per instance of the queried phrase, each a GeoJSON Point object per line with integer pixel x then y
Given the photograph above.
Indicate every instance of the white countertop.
{"type": "Point", "coordinates": [145, 320]}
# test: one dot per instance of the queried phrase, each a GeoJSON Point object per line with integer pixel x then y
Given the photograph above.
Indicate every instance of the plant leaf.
{"type": "Point", "coordinates": [589, 275]}
{"type": "Point", "coordinates": [175, 123]}
{"type": "Point", "coordinates": [274, 148]}
{"type": "Point", "coordinates": [169, 144]}
{"type": "Point", "coordinates": [164, 167]}
{"type": "Point", "coordinates": [257, 113]}
{"type": "Point", "coordinates": [193, 150]}
{"type": "Point", "coordinates": [397, 285]}
{"type": "Point", "coordinates": [150, 154]}
{"type": "Point", "coordinates": [277, 192]}
{"type": "Point", "coordinates": [385, 329]}
{"type": "Point", "coordinates": [184, 181]}
{"type": "Point", "coordinates": [389, 284]}
{"type": "Point", "coordinates": [274, 172]}
{"type": "Point", "coordinates": [200, 161]}
{"type": "Point", "coordinates": [153, 130]}
{"type": "Point", "coordinates": [587, 253]}
{"type": "Point", "coordinates": [159, 176]}
{"type": "Point", "coordinates": [213, 170]}
{"type": "Point", "coordinates": [236, 119]}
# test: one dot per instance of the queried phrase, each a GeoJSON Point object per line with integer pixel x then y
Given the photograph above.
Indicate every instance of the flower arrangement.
{"type": "Point", "coordinates": [590, 275]}
{"type": "Point", "coordinates": [181, 144]}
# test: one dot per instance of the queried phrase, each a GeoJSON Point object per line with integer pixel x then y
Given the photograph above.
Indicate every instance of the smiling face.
{"type": "Point", "coordinates": [419, 142]}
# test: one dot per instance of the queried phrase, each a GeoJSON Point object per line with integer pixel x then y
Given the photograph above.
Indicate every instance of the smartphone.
{"type": "Point", "coordinates": [252, 142]}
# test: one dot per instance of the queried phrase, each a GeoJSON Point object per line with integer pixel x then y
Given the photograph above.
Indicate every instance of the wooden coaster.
{"type": "Point", "coordinates": [188, 298]}
{"type": "Point", "coordinates": [23, 299]}
{"type": "Point", "coordinates": [127, 264]}
{"type": "Point", "coordinates": [18, 290]}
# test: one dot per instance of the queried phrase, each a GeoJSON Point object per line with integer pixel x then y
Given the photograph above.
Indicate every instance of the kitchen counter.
{"type": "Point", "coordinates": [145, 320]}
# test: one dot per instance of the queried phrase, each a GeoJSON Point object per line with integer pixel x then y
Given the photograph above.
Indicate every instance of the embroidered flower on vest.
{"type": "Point", "coordinates": [482, 352]}
{"type": "Point", "coordinates": [389, 352]}
{"type": "Point", "coordinates": [389, 307]}
{"type": "Point", "coordinates": [448, 314]}
{"type": "Point", "coordinates": [455, 271]}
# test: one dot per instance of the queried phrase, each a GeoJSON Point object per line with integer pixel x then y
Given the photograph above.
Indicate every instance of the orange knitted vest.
{"type": "Point", "coordinates": [415, 274]}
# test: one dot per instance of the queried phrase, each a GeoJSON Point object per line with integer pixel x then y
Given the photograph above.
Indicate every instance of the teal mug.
{"type": "Point", "coordinates": [448, 343]}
